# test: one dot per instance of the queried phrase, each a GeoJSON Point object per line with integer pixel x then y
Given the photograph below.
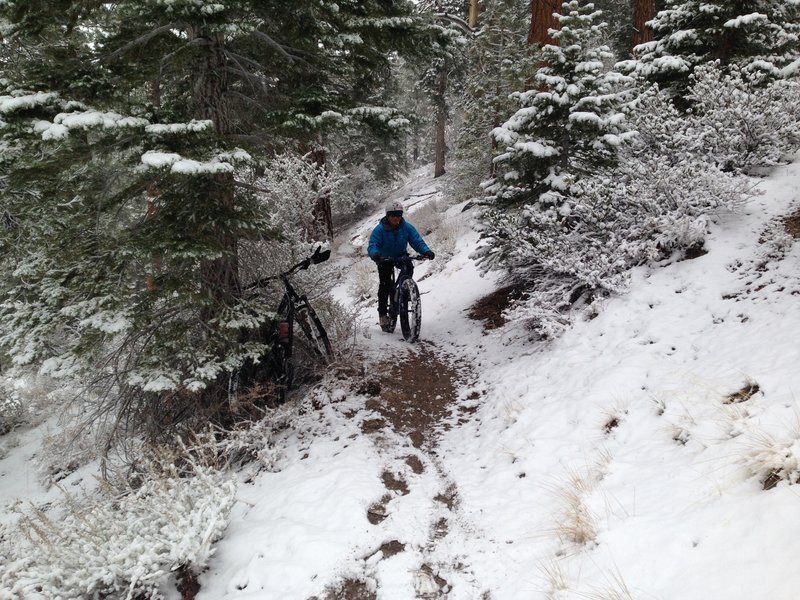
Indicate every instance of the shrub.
{"type": "Point", "coordinates": [738, 123]}
{"type": "Point", "coordinates": [656, 203]}
{"type": "Point", "coordinates": [119, 545]}
{"type": "Point", "coordinates": [12, 411]}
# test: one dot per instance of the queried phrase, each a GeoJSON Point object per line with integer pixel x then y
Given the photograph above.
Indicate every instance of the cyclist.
{"type": "Point", "coordinates": [390, 239]}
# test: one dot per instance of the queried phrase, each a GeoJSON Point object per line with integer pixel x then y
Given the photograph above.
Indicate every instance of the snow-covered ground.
{"type": "Point", "coordinates": [608, 464]}
{"type": "Point", "coordinates": [617, 462]}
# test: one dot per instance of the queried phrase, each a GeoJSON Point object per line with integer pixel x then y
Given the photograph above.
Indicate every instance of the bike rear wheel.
{"type": "Point", "coordinates": [410, 312]}
{"type": "Point", "coordinates": [282, 372]}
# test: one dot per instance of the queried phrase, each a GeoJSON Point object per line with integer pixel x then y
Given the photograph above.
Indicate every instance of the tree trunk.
{"type": "Point", "coordinates": [220, 276]}
{"type": "Point", "coordinates": [323, 219]}
{"type": "Point", "coordinates": [473, 13]}
{"type": "Point", "coordinates": [643, 11]}
{"type": "Point", "coordinates": [155, 263]}
{"type": "Point", "coordinates": [154, 96]}
{"type": "Point", "coordinates": [441, 120]}
{"type": "Point", "coordinates": [542, 20]}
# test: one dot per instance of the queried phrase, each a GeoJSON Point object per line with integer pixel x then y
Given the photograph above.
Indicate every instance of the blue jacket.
{"type": "Point", "coordinates": [392, 243]}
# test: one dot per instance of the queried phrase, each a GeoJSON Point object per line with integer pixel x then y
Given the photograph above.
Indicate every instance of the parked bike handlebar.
{"type": "Point", "coordinates": [319, 256]}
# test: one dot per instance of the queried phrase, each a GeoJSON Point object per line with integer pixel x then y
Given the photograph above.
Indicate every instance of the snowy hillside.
{"type": "Point", "coordinates": [648, 453]}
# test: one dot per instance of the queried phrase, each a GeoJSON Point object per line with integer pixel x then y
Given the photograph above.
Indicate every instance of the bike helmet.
{"type": "Point", "coordinates": [394, 209]}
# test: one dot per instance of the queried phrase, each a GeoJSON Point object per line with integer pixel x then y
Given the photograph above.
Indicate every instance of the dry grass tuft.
{"type": "Point", "coordinates": [557, 580]}
{"type": "Point", "coordinates": [363, 280]}
{"type": "Point", "coordinates": [576, 524]}
{"type": "Point", "coordinates": [773, 460]}
{"type": "Point", "coordinates": [743, 394]}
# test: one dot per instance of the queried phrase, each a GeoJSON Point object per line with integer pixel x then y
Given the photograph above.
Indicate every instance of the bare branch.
{"type": "Point", "coordinates": [457, 21]}
{"type": "Point", "coordinates": [265, 38]}
{"type": "Point", "coordinates": [249, 100]}
{"type": "Point", "coordinates": [142, 40]}
{"type": "Point", "coordinates": [238, 58]}
{"type": "Point", "coordinates": [252, 188]}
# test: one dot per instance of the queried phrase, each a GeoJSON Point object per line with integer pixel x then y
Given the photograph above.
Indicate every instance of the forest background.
{"type": "Point", "coordinates": [159, 155]}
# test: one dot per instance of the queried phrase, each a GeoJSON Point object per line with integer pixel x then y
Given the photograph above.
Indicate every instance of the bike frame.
{"type": "Point", "coordinates": [281, 336]}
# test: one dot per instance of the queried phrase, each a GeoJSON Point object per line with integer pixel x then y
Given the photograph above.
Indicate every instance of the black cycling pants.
{"type": "Point", "coordinates": [385, 272]}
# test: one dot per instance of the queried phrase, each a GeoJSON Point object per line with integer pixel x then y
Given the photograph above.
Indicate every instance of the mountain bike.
{"type": "Point", "coordinates": [404, 299]}
{"type": "Point", "coordinates": [276, 365]}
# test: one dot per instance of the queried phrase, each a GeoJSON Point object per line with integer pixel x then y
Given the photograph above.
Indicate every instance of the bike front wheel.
{"type": "Point", "coordinates": [410, 312]}
{"type": "Point", "coordinates": [315, 333]}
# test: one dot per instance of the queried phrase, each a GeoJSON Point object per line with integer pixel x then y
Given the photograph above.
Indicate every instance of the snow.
{"type": "Point", "coordinates": [746, 20]}
{"type": "Point", "coordinates": [605, 464]}
{"type": "Point", "coordinates": [186, 166]}
{"type": "Point", "coordinates": [537, 149]}
{"type": "Point", "coordinates": [669, 519]}
{"type": "Point", "coordinates": [791, 69]}
{"type": "Point", "coordinates": [9, 104]}
{"type": "Point", "coordinates": [669, 63]}
{"type": "Point", "coordinates": [193, 125]}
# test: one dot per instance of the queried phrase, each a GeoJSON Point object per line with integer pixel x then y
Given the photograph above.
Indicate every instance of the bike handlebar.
{"type": "Point", "coordinates": [316, 258]}
{"type": "Point", "coordinates": [394, 259]}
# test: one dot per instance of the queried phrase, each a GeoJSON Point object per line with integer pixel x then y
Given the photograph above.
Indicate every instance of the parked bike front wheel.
{"type": "Point", "coordinates": [410, 310]}
{"type": "Point", "coordinates": [315, 333]}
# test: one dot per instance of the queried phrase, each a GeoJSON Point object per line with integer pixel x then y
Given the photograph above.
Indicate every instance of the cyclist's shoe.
{"type": "Point", "coordinates": [386, 324]}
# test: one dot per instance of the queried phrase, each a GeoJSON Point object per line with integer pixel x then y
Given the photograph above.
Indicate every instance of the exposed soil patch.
{"type": "Point", "coordinates": [449, 497]}
{"type": "Point", "coordinates": [372, 425]}
{"type": "Point", "coordinates": [393, 483]}
{"type": "Point", "coordinates": [695, 251]}
{"type": "Point", "coordinates": [440, 582]}
{"type": "Point", "coordinates": [415, 463]}
{"type": "Point", "coordinates": [392, 548]}
{"type": "Point", "coordinates": [611, 425]}
{"type": "Point", "coordinates": [489, 309]}
{"type": "Point", "coordinates": [188, 586]}
{"type": "Point", "coordinates": [792, 224]}
{"type": "Point", "coordinates": [416, 394]}
{"type": "Point", "coordinates": [377, 511]}
{"type": "Point", "coordinates": [350, 589]}
{"type": "Point", "coordinates": [440, 529]}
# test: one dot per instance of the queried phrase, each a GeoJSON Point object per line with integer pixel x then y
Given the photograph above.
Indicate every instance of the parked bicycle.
{"type": "Point", "coordinates": [276, 365]}
{"type": "Point", "coordinates": [405, 303]}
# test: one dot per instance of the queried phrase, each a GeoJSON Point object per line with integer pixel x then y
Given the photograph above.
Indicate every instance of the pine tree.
{"type": "Point", "coordinates": [445, 68]}
{"type": "Point", "coordinates": [499, 62]}
{"type": "Point", "coordinates": [759, 35]}
{"type": "Point", "coordinates": [568, 127]}
{"type": "Point", "coordinates": [643, 13]}
{"type": "Point", "coordinates": [129, 130]}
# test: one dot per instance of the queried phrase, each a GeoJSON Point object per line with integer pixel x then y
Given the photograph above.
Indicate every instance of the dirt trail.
{"type": "Point", "coordinates": [412, 401]}
{"type": "Point", "coordinates": [415, 395]}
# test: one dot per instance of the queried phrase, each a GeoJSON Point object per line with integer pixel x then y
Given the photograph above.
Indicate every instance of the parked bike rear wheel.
{"type": "Point", "coordinates": [283, 372]}
{"type": "Point", "coordinates": [315, 333]}
{"type": "Point", "coordinates": [410, 310]}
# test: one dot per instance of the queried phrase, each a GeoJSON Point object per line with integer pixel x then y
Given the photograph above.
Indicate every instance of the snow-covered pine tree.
{"type": "Point", "coordinates": [126, 130]}
{"type": "Point", "coordinates": [758, 35]}
{"type": "Point", "coordinates": [569, 126]}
